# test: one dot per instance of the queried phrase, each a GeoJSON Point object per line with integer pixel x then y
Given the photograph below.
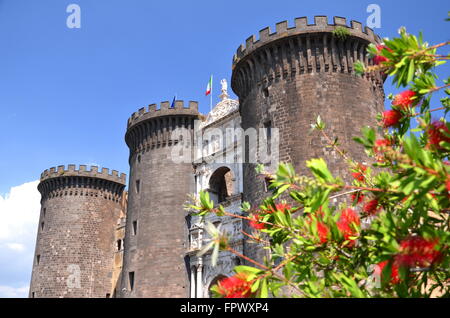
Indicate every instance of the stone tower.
{"type": "Point", "coordinates": [156, 234]}
{"type": "Point", "coordinates": [287, 78]}
{"type": "Point", "coordinates": [75, 242]}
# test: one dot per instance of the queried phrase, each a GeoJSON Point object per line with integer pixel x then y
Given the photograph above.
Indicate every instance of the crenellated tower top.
{"type": "Point", "coordinates": [152, 127]}
{"type": "Point", "coordinates": [302, 27]}
{"type": "Point", "coordinates": [302, 49]}
{"type": "Point", "coordinates": [165, 109]}
{"type": "Point", "coordinates": [82, 171]}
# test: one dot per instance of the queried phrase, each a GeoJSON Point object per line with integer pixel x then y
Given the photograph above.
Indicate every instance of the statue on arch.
{"type": "Point", "coordinates": [224, 84]}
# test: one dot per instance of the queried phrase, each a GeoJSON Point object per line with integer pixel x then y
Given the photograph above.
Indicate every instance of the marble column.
{"type": "Point", "coordinates": [193, 269]}
{"type": "Point", "coordinates": [199, 279]}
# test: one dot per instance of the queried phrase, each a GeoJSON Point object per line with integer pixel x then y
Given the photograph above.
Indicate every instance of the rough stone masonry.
{"type": "Point", "coordinates": [284, 80]}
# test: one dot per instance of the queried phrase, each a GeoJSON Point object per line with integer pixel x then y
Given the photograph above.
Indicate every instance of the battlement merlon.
{"type": "Point", "coordinates": [82, 171]}
{"type": "Point", "coordinates": [151, 111]}
{"type": "Point", "coordinates": [302, 27]}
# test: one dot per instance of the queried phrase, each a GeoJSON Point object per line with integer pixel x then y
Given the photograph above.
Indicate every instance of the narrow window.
{"type": "Point", "coordinates": [138, 185]}
{"type": "Point", "coordinates": [268, 131]}
{"type": "Point", "coordinates": [108, 295]}
{"type": "Point", "coordinates": [131, 280]}
{"type": "Point", "coordinates": [139, 158]}
{"type": "Point", "coordinates": [32, 295]}
{"type": "Point", "coordinates": [43, 214]}
{"type": "Point", "coordinates": [266, 92]}
{"type": "Point", "coordinates": [38, 259]}
{"type": "Point", "coordinates": [119, 245]}
{"type": "Point", "coordinates": [134, 227]}
{"type": "Point", "coordinates": [42, 226]}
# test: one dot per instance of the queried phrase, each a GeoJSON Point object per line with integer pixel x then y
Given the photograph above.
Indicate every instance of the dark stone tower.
{"type": "Point", "coordinates": [75, 242]}
{"type": "Point", "coordinates": [156, 233]}
{"type": "Point", "coordinates": [287, 78]}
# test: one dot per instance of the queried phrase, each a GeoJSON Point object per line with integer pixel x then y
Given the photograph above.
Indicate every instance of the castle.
{"type": "Point", "coordinates": [97, 240]}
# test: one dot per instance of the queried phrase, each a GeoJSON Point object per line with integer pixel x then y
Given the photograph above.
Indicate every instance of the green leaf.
{"type": "Point", "coordinates": [280, 190]}
{"type": "Point", "coordinates": [255, 285]}
{"type": "Point", "coordinates": [264, 290]}
{"type": "Point", "coordinates": [411, 71]}
{"type": "Point", "coordinates": [360, 68]}
{"type": "Point", "coordinates": [205, 200]}
{"type": "Point", "coordinates": [320, 170]}
{"type": "Point", "coordinates": [247, 269]}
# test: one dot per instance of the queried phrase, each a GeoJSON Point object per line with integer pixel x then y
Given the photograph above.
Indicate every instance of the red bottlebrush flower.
{"type": "Point", "coordinates": [371, 207]}
{"type": "Point", "coordinates": [322, 231]}
{"type": "Point", "coordinates": [235, 286]}
{"type": "Point", "coordinates": [379, 58]}
{"type": "Point", "coordinates": [435, 134]}
{"type": "Point", "coordinates": [391, 118]}
{"type": "Point", "coordinates": [380, 148]}
{"type": "Point", "coordinates": [282, 207]}
{"type": "Point", "coordinates": [347, 224]}
{"type": "Point", "coordinates": [322, 228]}
{"type": "Point", "coordinates": [359, 175]}
{"type": "Point", "coordinates": [416, 251]}
{"type": "Point", "coordinates": [350, 216]}
{"type": "Point", "coordinates": [395, 277]}
{"type": "Point", "coordinates": [357, 197]}
{"type": "Point", "coordinates": [255, 222]}
{"type": "Point", "coordinates": [404, 100]}
{"type": "Point", "coordinates": [447, 185]}
{"type": "Point", "coordinates": [380, 145]}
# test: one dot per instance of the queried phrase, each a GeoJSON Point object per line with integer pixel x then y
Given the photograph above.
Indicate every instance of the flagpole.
{"type": "Point", "coordinates": [210, 103]}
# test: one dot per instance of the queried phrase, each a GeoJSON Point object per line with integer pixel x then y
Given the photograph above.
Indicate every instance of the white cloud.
{"type": "Point", "coordinates": [16, 247]}
{"type": "Point", "coordinates": [19, 213]}
{"type": "Point", "coordinates": [19, 217]}
{"type": "Point", "coordinates": [11, 292]}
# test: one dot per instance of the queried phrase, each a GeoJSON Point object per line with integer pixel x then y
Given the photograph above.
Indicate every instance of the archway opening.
{"type": "Point", "coordinates": [221, 185]}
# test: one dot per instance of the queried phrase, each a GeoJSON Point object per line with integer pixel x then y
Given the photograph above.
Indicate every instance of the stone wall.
{"type": "Point", "coordinates": [288, 78]}
{"type": "Point", "coordinates": [156, 233]}
{"type": "Point", "coordinates": [75, 242]}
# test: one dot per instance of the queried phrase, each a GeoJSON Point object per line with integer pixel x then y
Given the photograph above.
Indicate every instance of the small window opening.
{"type": "Point", "coordinates": [138, 185]}
{"type": "Point", "coordinates": [131, 280]}
{"type": "Point", "coordinates": [134, 227]}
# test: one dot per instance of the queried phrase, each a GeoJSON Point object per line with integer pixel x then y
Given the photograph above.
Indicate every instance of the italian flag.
{"type": "Point", "coordinates": [209, 87]}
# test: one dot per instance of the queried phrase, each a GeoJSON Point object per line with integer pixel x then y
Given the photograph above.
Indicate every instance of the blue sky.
{"type": "Point", "coordinates": [66, 94]}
